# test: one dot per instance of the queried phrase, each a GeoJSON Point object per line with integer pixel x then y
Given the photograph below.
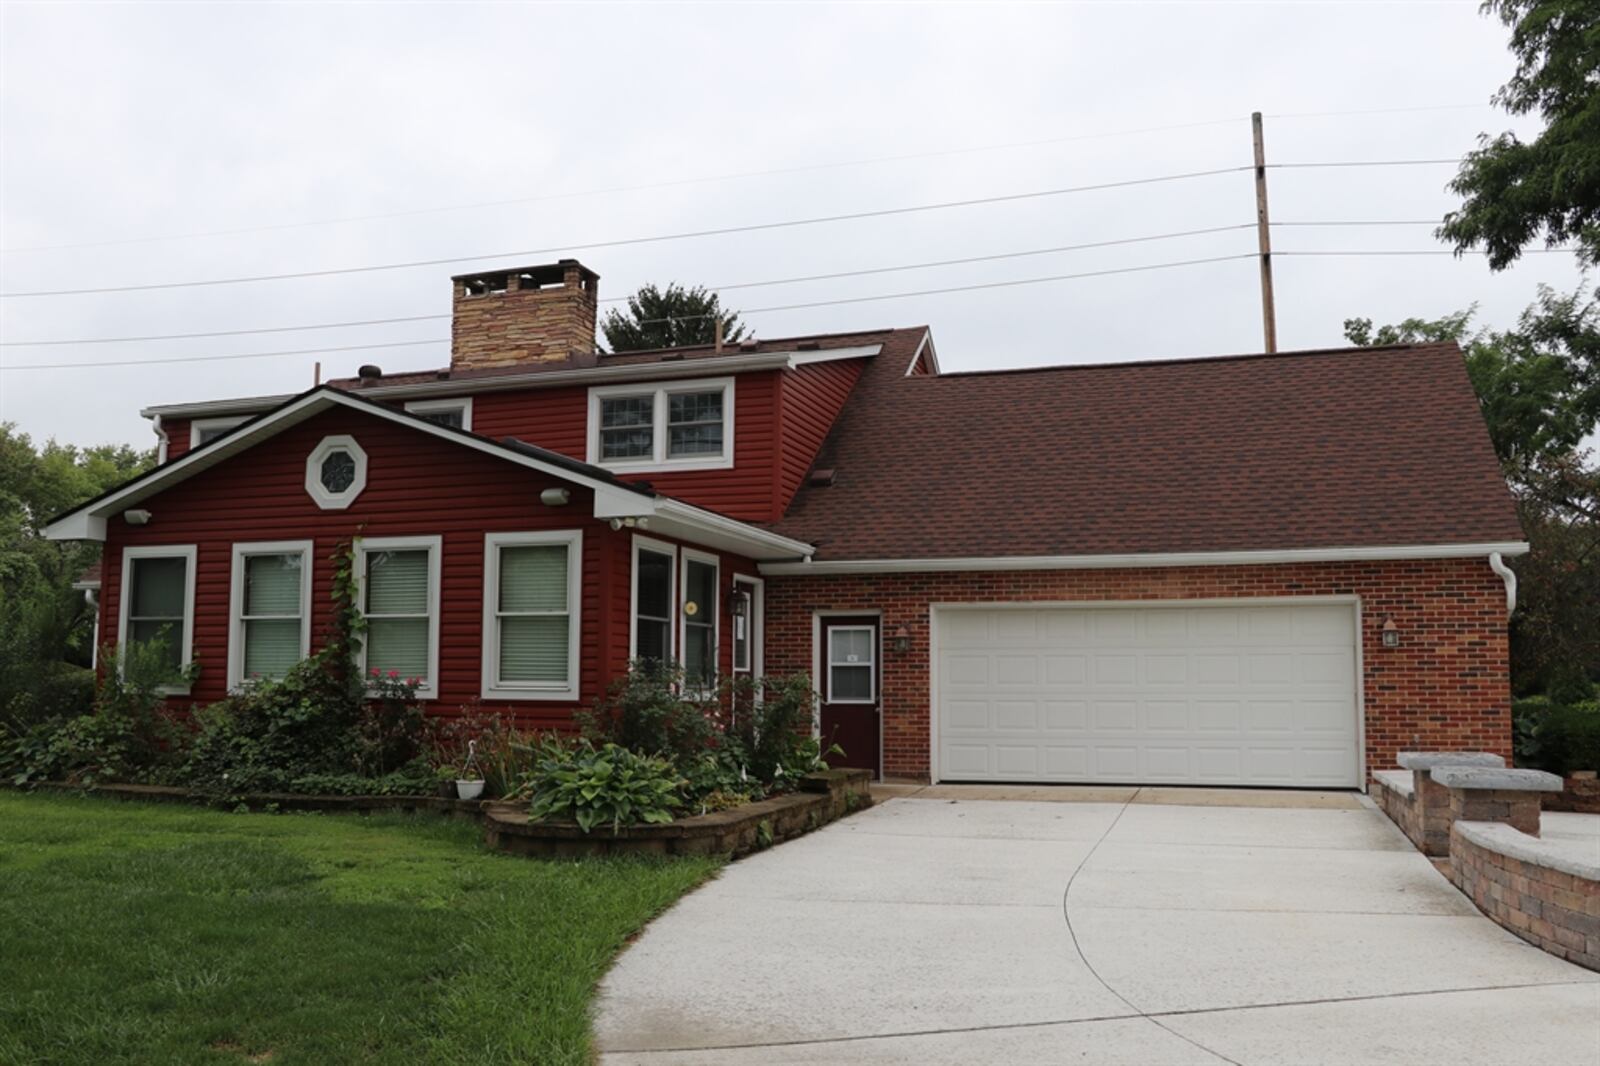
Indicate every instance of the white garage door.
{"type": "Point", "coordinates": [1149, 695]}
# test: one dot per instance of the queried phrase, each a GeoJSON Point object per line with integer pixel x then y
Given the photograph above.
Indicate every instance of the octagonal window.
{"type": "Point", "coordinates": [336, 472]}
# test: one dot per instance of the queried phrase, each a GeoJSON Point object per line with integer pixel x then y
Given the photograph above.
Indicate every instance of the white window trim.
{"type": "Point", "coordinates": [872, 664]}
{"type": "Point", "coordinates": [685, 557]}
{"type": "Point", "coordinates": [335, 501]}
{"type": "Point", "coordinates": [660, 391]}
{"type": "Point", "coordinates": [434, 547]}
{"type": "Point", "coordinates": [431, 407]}
{"type": "Point", "coordinates": [200, 424]}
{"type": "Point", "coordinates": [162, 551]}
{"type": "Point", "coordinates": [660, 547]}
{"type": "Point", "coordinates": [493, 687]}
{"type": "Point", "coordinates": [758, 593]}
{"type": "Point", "coordinates": [241, 551]}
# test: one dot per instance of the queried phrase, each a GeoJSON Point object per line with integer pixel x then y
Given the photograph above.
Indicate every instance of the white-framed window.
{"type": "Point", "coordinates": [655, 568]}
{"type": "Point", "coordinates": [336, 472]}
{"type": "Point", "coordinates": [532, 599]}
{"type": "Point", "coordinates": [746, 615]}
{"type": "Point", "coordinates": [398, 581]}
{"type": "Point", "coordinates": [675, 425]}
{"type": "Point", "coordinates": [269, 609]}
{"type": "Point", "coordinates": [158, 602]}
{"type": "Point", "coordinates": [852, 664]}
{"type": "Point", "coordinates": [206, 430]}
{"type": "Point", "coordinates": [698, 620]}
{"type": "Point", "coordinates": [457, 414]}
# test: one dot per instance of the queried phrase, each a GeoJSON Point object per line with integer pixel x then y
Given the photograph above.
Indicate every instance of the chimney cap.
{"type": "Point", "coordinates": [556, 270]}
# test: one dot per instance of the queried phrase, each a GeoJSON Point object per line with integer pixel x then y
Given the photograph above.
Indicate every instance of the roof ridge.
{"type": "Point", "coordinates": [1193, 359]}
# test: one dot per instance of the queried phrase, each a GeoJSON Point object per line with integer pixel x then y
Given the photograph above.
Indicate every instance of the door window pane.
{"type": "Point", "coordinates": [851, 663]}
{"type": "Point", "coordinates": [653, 607]}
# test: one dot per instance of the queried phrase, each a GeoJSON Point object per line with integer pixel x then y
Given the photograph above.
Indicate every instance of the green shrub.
{"type": "Point", "coordinates": [593, 786]}
{"type": "Point", "coordinates": [1526, 716]}
{"type": "Point", "coordinates": [1569, 737]}
{"type": "Point", "coordinates": [772, 733]}
{"type": "Point", "coordinates": [414, 779]}
{"type": "Point", "coordinates": [485, 745]}
{"type": "Point", "coordinates": [645, 711]}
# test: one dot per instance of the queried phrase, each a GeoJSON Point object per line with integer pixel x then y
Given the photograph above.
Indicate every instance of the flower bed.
{"type": "Point", "coordinates": [824, 796]}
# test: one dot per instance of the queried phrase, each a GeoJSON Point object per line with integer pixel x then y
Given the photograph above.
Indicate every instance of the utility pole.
{"type": "Point", "coordinates": [1269, 313]}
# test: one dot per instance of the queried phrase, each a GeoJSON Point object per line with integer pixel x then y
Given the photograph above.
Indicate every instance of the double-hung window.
{"type": "Point", "coordinates": [532, 593]}
{"type": "Point", "coordinates": [685, 425]}
{"type": "Point", "coordinates": [399, 579]}
{"type": "Point", "coordinates": [206, 430]}
{"type": "Point", "coordinates": [699, 615]}
{"type": "Point", "coordinates": [158, 603]}
{"type": "Point", "coordinates": [456, 414]}
{"type": "Point", "coordinates": [270, 601]}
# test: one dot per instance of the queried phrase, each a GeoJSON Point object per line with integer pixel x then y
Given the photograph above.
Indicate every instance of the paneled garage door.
{"type": "Point", "coordinates": [1258, 695]}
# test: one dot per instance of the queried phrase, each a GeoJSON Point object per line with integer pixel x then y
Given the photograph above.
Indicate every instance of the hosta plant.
{"type": "Point", "coordinates": [595, 786]}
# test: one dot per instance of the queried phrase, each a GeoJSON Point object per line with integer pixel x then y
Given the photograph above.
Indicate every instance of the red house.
{"type": "Point", "coordinates": [1254, 570]}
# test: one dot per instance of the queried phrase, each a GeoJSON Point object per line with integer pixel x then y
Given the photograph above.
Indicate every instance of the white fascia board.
{"type": "Point", "coordinates": [719, 531]}
{"type": "Point", "coordinates": [81, 524]}
{"type": "Point", "coordinates": [244, 405]}
{"type": "Point", "coordinates": [1136, 561]}
{"type": "Point", "coordinates": [830, 355]}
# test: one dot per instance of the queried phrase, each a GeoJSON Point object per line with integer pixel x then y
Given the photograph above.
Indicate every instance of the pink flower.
{"type": "Point", "coordinates": [376, 672]}
{"type": "Point", "coordinates": [394, 673]}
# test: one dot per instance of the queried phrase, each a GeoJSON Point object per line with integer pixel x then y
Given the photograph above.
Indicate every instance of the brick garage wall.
{"type": "Point", "coordinates": [1548, 908]}
{"type": "Point", "coordinates": [1445, 687]}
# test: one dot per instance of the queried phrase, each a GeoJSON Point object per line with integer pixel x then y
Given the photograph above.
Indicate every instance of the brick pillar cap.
{"type": "Point", "coordinates": [1496, 779]}
{"type": "Point", "coordinates": [1427, 760]}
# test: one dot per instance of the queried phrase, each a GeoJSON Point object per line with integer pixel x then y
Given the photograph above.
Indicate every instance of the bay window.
{"type": "Point", "coordinates": [399, 581]}
{"type": "Point", "coordinates": [532, 594]}
{"type": "Point", "coordinates": [271, 594]}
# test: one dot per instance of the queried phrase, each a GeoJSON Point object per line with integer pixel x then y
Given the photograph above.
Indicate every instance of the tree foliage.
{"type": "Point", "coordinates": [669, 318]}
{"type": "Point", "coordinates": [46, 628]}
{"type": "Point", "coordinates": [1539, 388]}
{"type": "Point", "coordinates": [1512, 190]}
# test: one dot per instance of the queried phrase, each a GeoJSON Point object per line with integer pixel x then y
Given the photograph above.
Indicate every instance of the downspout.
{"type": "Point", "coordinates": [161, 433]}
{"type": "Point", "coordinates": [92, 597]}
{"type": "Point", "coordinates": [1509, 576]}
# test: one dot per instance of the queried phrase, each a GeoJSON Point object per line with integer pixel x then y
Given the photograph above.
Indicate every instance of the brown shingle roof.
{"type": "Point", "coordinates": [1345, 448]}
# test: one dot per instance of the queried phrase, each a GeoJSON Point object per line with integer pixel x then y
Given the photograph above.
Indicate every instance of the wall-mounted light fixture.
{"type": "Point", "coordinates": [1391, 633]}
{"type": "Point", "coordinates": [902, 638]}
{"type": "Point", "coordinates": [554, 497]}
{"type": "Point", "coordinates": [630, 523]}
{"type": "Point", "coordinates": [136, 517]}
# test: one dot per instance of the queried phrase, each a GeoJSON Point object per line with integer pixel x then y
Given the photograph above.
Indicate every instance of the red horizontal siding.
{"type": "Point", "coordinates": [177, 431]}
{"type": "Point", "coordinates": [813, 396]}
{"type": "Point", "coordinates": [416, 485]}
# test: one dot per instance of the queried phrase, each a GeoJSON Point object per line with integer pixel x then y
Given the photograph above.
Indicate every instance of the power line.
{"type": "Point", "coordinates": [1426, 251]}
{"type": "Point", "coordinates": [715, 288]}
{"type": "Point", "coordinates": [1364, 163]}
{"type": "Point", "coordinates": [219, 358]}
{"type": "Point", "coordinates": [753, 310]}
{"type": "Point", "coordinates": [735, 176]}
{"type": "Point", "coordinates": [576, 194]}
{"type": "Point", "coordinates": [721, 231]}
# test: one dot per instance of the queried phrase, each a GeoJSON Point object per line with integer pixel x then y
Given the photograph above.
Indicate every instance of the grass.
{"type": "Point", "coordinates": [144, 933]}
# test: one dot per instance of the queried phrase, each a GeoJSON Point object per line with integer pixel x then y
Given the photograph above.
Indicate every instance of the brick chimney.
{"type": "Point", "coordinates": [538, 315]}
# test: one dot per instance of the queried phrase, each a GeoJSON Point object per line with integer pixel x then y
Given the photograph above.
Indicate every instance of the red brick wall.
{"type": "Point", "coordinates": [1446, 685]}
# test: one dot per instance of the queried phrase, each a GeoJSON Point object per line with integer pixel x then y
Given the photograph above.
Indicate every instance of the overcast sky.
{"type": "Point", "coordinates": [124, 122]}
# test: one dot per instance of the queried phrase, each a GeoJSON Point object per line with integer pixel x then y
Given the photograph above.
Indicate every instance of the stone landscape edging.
{"type": "Point", "coordinates": [824, 796]}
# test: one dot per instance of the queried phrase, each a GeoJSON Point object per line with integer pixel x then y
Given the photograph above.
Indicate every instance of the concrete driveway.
{"type": "Point", "coordinates": [943, 929]}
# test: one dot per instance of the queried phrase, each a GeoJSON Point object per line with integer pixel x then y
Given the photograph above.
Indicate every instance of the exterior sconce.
{"type": "Point", "coordinates": [136, 517]}
{"type": "Point", "coordinates": [554, 497]}
{"type": "Point", "coordinates": [902, 638]}
{"type": "Point", "coordinates": [1391, 634]}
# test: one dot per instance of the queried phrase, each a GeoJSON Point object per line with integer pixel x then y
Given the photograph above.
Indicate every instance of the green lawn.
{"type": "Point", "coordinates": [147, 933]}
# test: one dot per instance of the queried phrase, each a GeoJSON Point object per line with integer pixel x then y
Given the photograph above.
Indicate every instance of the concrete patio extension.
{"type": "Point", "coordinates": [937, 928]}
